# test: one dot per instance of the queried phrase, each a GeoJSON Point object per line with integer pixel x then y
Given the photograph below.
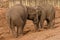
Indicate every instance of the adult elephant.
{"type": "Point", "coordinates": [46, 12]}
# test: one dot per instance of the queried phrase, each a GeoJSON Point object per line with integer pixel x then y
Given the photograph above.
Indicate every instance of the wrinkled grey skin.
{"type": "Point", "coordinates": [17, 16]}
{"type": "Point", "coordinates": [46, 12]}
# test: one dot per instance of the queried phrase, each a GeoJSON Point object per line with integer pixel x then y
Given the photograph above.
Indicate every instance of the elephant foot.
{"type": "Point", "coordinates": [20, 36]}
{"type": "Point", "coordinates": [15, 35]}
{"type": "Point", "coordinates": [41, 29]}
{"type": "Point", "coordinates": [36, 29]}
{"type": "Point", "coordinates": [51, 27]}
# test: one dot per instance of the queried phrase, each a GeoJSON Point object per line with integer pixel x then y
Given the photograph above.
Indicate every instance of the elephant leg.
{"type": "Point", "coordinates": [41, 22]}
{"type": "Point", "coordinates": [42, 18]}
{"type": "Point", "coordinates": [13, 29]}
{"type": "Point", "coordinates": [50, 24]}
{"type": "Point", "coordinates": [36, 23]}
{"type": "Point", "coordinates": [20, 29]}
{"type": "Point", "coordinates": [36, 26]}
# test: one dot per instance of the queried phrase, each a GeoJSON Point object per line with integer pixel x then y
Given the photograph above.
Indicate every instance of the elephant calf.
{"type": "Point", "coordinates": [17, 16]}
{"type": "Point", "coordinates": [46, 12]}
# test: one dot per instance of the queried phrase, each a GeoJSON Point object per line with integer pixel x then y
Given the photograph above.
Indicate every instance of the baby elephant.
{"type": "Point", "coordinates": [16, 16]}
{"type": "Point", "coordinates": [46, 12]}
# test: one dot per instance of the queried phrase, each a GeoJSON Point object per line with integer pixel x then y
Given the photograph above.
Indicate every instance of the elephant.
{"type": "Point", "coordinates": [46, 12]}
{"type": "Point", "coordinates": [16, 17]}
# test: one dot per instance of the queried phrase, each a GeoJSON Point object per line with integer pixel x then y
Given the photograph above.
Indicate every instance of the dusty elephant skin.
{"type": "Point", "coordinates": [46, 12]}
{"type": "Point", "coordinates": [16, 16]}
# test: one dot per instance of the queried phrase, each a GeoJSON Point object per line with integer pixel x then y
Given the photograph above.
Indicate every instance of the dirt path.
{"type": "Point", "coordinates": [45, 34]}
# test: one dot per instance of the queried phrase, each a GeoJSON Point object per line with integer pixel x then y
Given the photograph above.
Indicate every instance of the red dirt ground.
{"type": "Point", "coordinates": [49, 34]}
